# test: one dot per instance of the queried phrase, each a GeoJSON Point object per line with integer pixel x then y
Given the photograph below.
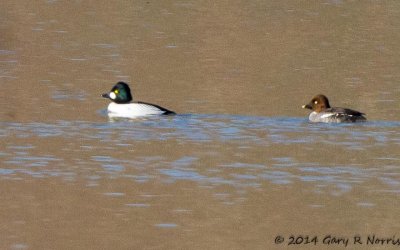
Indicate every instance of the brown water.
{"type": "Point", "coordinates": [239, 166]}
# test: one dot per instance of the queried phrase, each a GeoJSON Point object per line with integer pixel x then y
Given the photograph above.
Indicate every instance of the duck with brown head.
{"type": "Point", "coordinates": [323, 112]}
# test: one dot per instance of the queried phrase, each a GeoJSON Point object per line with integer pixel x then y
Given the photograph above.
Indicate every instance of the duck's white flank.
{"type": "Point", "coordinates": [133, 110]}
{"type": "Point", "coordinates": [327, 115]}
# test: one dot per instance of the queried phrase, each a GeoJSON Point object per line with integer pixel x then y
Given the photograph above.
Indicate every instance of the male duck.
{"type": "Point", "coordinates": [322, 112]}
{"type": "Point", "coordinates": [122, 105]}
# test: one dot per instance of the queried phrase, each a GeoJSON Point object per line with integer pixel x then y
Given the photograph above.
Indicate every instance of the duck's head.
{"type": "Point", "coordinates": [120, 93]}
{"type": "Point", "coordinates": [318, 103]}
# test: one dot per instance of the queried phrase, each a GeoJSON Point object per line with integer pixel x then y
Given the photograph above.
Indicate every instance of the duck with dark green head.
{"type": "Point", "coordinates": [123, 106]}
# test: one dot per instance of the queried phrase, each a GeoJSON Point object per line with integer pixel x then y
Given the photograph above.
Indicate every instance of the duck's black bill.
{"type": "Point", "coordinates": [307, 106]}
{"type": "Point", "coordinates": [105, 95]}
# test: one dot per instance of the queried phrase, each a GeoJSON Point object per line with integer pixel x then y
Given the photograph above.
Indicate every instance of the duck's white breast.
{"type": "Point", "coordinates": [133, 110]}
{"type": "Point", "coordinates": [323, 117]}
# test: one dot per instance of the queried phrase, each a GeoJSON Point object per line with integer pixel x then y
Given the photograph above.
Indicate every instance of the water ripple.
{"type": "Point", "coordinates": [225, 150]}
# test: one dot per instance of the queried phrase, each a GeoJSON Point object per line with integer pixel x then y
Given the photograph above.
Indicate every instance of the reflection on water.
{"type": "Point", "coordinates": [198, 176]}
{"type": "Point", "coordinates": [166, 225]}
{"type": "Point", "coordinates": [216, 150]}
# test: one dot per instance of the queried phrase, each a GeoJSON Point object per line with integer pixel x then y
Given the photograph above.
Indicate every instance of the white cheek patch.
{"type": "Point", "coordinates": [112, 95]}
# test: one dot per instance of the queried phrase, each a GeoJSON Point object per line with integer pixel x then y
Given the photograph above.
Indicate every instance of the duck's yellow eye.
{"type": "Point", "coordinates": [116, 91]}
{"type": "Point", "coordinates": [315, 102]}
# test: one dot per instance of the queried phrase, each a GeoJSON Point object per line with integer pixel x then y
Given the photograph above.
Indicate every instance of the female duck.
{"type": "Point", "coordinates": [122, 105]}
{"type": "Point", "coordinates": [322, 112]}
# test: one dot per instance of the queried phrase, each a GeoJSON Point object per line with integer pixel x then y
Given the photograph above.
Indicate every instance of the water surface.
{"type": "Point", "coordinates": [134, 168]}
{"type": "Point", "coordinates": [240, 164]}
